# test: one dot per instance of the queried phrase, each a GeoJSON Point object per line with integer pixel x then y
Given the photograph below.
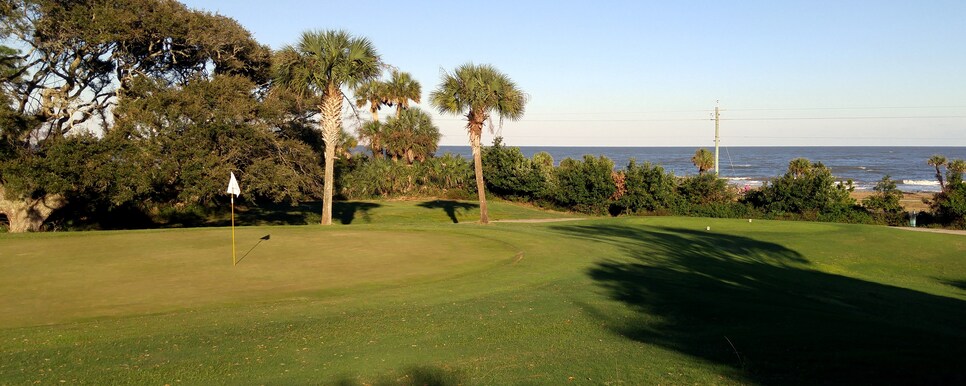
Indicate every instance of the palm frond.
{"type": "Point", "coordinates": [479, 88]}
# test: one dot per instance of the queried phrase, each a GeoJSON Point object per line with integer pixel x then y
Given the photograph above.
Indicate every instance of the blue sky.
{"type": "Point", "coordinates": [640, 73]}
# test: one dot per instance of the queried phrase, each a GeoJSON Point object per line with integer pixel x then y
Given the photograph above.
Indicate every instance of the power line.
{"type": "Point", "coordinates": [834, 118]}
{"type": "Point", "coordinates": [730, 119]}
{"type": "Point", "coordinates": [592, 120]}
{"type": "Point", "coordinates": [848, 108]}
{"type": "Point", "coordinates": [750, 109]}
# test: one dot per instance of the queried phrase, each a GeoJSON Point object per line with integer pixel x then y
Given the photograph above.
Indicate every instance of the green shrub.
{"type": "Point", "coordinates": [448, 176]}
{"type": "Point", "coordinates": [731, 209]}
{"type": "Point", "coordinates": [949, 206]}
{"type": "Point", "coordinates": [647, 189]}
{"type": "Point", "coordinates": [586, 186]}
{"type": "Point", "coordinates": [803, 190]}
{"type": "Point", "coordinates": [508, 173]}
{"type": "Point", "coordinates": [705, 189]}
{"type": "Point", "coordinates": [884, 205]}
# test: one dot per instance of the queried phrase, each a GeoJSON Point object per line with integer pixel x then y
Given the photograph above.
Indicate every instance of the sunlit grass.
{"type": "Point", "coordinates": [630, 300]}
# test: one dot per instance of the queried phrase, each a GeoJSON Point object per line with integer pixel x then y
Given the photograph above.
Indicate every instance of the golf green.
{"type": "Point", "coordinates": [600, 301]}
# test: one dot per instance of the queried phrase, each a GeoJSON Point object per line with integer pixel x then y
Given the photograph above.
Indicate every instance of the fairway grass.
{"type": "Point", "coordinates": [402, 211]}
{"type": "Point", "coordinates": [601, 301]}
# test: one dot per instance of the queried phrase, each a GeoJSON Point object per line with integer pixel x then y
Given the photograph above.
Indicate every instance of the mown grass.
{"type": "Point", "coordinates": [409, 211]}
{"type": "Point", "coordinates": [628, 300]}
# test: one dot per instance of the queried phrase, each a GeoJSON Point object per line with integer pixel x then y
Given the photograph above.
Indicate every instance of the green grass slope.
{"type": "Point", "coordinates": [413, 211]}
{"type": "Point", "coordinates": [605, 301]}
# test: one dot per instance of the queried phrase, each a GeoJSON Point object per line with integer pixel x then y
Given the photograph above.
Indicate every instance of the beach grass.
{"type": "Point", "coordinates": [600, 301]}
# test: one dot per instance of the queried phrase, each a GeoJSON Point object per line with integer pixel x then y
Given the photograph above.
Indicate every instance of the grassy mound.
{"type": "Point", "coordinates": [631, 300]}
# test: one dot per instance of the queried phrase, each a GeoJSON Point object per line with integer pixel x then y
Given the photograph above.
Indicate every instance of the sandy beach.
{"type": "Point", "coordinates": [910, 201]}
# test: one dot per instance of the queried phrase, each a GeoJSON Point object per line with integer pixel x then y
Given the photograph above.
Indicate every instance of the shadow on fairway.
{"type": "Point", "coordinates": [416, 375]}
{"type": "Point", "coordinates": [961, 284]}
{"type": "Point", "coordinates": [450, 207]}
{"type": "Point", "coordinates": [759, 308]}
{"type": "Point", "coordinates": [279, 214]}
{"type": "Point", "coordinates": [345, 211]}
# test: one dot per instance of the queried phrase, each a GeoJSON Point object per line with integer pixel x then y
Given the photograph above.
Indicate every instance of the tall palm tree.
{"type": "Point", "coordinates": [478, 91]}
{"type": "Point", "coordinates": [321, 64]}
{"type": "Point", "coordinates": [938, 161]}
{"type": "Point", "coordinates": [703, 159]}
{"type": "Point", "coordinates": [400, 89]}
{"type": "Point", "coordinates": [375, 94]}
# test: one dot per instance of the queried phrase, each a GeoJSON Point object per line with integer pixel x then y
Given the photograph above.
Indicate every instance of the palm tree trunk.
{"type": "Point", "coordinates": [939, 176]}
{"type": "Point", "coordinates": [476, 130]}
{"type": "Point", "coordinates": [331, 127]}
{"type": "Point", "coordinates": [329, 180]}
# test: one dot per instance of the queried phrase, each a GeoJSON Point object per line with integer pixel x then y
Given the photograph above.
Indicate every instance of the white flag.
{"type": "Point", "coordinates": [233, 186]}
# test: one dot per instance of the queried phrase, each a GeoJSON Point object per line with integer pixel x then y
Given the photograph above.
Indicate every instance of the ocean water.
{"type": "Point", "coordinates": [752, 166]}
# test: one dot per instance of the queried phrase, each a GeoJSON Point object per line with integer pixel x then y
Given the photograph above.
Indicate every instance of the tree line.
{"type": "Point", "coordinates": [145, 105]}
{"type": "Point", "coordinates": [595, 185]}
{"type": "Point", "coordinates": [113, 107]}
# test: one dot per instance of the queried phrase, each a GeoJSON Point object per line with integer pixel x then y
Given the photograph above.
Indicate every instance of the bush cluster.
{"type": "Point", "coordinates": [508, 173]}
{"type": "Point", "coordinates": [449, 176]}
{"type": "Point", "coordinates": [949, 205]}
{"type": "Point", "coordinates": [808, 191]}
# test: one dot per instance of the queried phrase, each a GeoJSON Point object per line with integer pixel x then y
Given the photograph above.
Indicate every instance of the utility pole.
{"type": "Point", "coordinates": [717, 139]}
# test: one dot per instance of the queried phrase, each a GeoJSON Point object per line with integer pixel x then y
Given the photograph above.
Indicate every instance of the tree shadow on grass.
{"type": "Point", "coordinates": [412, 376]}
{"type": "Point", "coordinates": [450, 207]}
{"type": "Point", "coordinates": [345, 211]}
{"type": "Point", "coordinates": [278, 214]}
{"type": "Point", "coordinates": [961, 284]}
{"type": "Point", "coordinates": [759, 308]}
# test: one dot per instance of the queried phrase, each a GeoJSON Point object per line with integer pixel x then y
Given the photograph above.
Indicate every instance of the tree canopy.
{"type": "Point", "coordinates": [95, 88]}
{"type": "Point", "coordinates": [411, 136]}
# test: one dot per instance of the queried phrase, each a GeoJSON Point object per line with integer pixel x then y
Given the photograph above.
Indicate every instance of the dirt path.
{"type": "Point", "coordinates": [934, 230]}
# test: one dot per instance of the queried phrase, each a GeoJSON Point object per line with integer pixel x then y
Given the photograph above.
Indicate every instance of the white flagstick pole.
{"type": "Point", "coordinates": [233, 190]}
{"type": "Point", "coordinates": [233, 261]}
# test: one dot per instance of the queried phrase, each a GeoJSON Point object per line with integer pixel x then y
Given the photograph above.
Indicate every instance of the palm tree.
{"type": "Point", "coordinates": [400, 89]}
{"type": "Point", "coordinates": [478, 91]}
{"type": "Point", "coordinates": [321, 64]}
{"type": "Point", "coordinates": [375, 94]}
{"type": "Point", "coordinates": [411, 136]}
{"type": "Point", "coordinates": [373, 133]}
{"type": "Point", "coordinates": [938, 161]}
{"type": "Point", "coordinates": [798, 167]}
{"type": "Point", "coordinates": [347, 142]}
{"type": "Point", "coordinates": [703, 159]}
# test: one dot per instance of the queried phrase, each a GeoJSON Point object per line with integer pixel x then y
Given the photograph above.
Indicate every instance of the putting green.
{"type": "Point", "coordinates": [84, 275]}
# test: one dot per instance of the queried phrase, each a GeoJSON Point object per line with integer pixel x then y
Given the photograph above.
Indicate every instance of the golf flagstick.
{"type": "Point", "coordinates": [233, 190]}
{"type": "Point", "coordinates": [233, 261]}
